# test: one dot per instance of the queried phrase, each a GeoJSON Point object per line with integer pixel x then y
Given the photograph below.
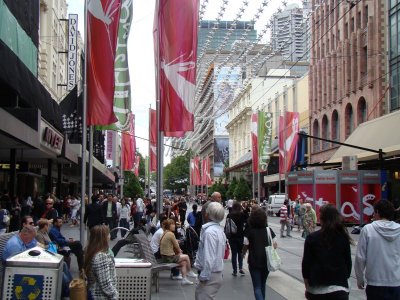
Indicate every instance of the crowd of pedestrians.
{"type": "Point", "coordinates": [199, 248]}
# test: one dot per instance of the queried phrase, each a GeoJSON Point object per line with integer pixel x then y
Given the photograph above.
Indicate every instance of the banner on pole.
{"type": "Point", "coordinates": [175, 40]}
{"type": "Point", "coordinates": [205, 170]}
{"type": "Point", "coordinates": [102, 32]}
{"type": "Point", "coordinates": [129, 145]}
{"type": "Point", "coordinates": [153, 140]}
{"type": "Point", "coordinates": [264, 139]}
{"type": "Point", "coordinates": [288, 138]}
{"type": "Point", "coordinates": [254, 141]}
{"type": "Point", "coordinates": [136, 165]}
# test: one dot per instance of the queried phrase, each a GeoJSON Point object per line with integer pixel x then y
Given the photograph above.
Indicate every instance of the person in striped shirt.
{"type": "Point", "coordinates": [285, 219]}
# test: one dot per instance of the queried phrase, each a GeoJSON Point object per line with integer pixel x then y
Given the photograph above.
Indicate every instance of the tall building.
{"type": "Point", "coordinates": [53, 37]}
{"type": "Point", "coordinates": [211, 33]}
{"type": "Point", "coordinates": [394, 54]}
{"type": "Point", "coordinates": [287, 30]}
{"type": "Point", "coordinates": [347, 70]}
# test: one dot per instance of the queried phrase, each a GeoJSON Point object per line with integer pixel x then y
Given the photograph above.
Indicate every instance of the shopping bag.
{"type": "Point", "coordinates": [227, 251]}
{"type": "Point", "coordinates": [78, 289]}
{"type": "Point", "coordinates": [273, 260]}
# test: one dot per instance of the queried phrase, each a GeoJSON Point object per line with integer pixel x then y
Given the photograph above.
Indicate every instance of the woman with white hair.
{"type": "Point", "coordinates": [210, 256]}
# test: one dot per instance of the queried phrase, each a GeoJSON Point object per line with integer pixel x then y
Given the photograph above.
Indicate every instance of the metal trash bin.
{"type": "Point", "coordinates": [134, 278]}
{"type": "Point", "coordinates": [33, 274]}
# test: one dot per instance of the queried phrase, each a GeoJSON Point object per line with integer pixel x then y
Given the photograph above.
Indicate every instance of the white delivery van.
{"type": "Point", "coordinates": [275, 202]}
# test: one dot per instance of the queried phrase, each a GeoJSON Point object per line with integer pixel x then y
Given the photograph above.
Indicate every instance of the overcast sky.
{"type": "Point", "coordinates": [141, 55]}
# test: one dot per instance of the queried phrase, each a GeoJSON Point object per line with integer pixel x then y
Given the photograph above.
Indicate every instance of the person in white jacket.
{"type": "Point", "coordinates": [377, 263]}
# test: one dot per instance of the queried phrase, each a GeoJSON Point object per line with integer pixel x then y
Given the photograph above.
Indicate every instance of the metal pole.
{"type": "Point", "coordinates": [258, 185]}
{"type": "Point", "coordinates": [284, 147]}
{"type": "Point", "coordinates": [90, 177]}
{"type": "Point", "coordinates": [160, 138]}
{"type": "Point", "coordinates": [148, 160]}
{"type": "Point", "coordinates": [84, 138]}
{"type": "Point", "coordinates": [254, 187]}
{"type": "Point", "coordinates": [279, 172]}
{"type": "Point", "coordinates": [122, 177]}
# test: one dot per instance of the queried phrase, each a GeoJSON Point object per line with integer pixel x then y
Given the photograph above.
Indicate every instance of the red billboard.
{"type": "Point", "coordinates": [325, 189]}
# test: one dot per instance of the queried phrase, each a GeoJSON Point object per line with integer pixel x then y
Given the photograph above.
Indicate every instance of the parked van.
{"type": "Point", "coordinates": [275, 202]}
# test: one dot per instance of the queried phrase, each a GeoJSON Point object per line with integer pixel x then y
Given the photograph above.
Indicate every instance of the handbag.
{"type": "Point", "coordinates": [227, 251]}
{"type": "Point", "coordinates": [78, 289]}
{"type": "Point", "coordinates": [6, 217]}
{"type": "Point", "coordinates": [273, 260]}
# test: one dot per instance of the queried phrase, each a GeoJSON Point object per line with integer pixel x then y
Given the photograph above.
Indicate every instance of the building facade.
{"type": "Point", "coordinates": [347, 70]}
{"type": "Point", "coordinates": [394, 54]}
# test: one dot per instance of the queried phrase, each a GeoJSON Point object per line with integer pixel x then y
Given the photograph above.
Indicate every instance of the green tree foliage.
{"type": "Point", "coordinates": [242, 191]}
{"type": "Point", "coordinates": [218, 187]}
{"type": "Point", "coordinates": [176, 173]}
{"type": "Point", "coordinates": [230, 193]}
{"type": "Point", "coordinates": [132, 187]}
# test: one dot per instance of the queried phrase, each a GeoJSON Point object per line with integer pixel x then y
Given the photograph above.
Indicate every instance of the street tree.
{"type": "Point", "coordinates": [242, 191]}
{"type": "Point", "coordinates": [230, 193]}
{"type": "Point", "coordinates": [176, 173]}
{"type": "Point", "coordinates": [132, 187]}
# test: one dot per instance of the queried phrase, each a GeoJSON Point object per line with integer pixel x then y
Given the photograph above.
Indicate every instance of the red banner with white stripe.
{"type": "Point", "coordinates": [102, 33]}
{"type": "Point", "coordinates": [129, 145]}
{"type": "Point", "coordinates": [205, 169]}
{"type": "Point", "coordinates": [175, 43]}
{"type": "Point", "coordinates": [254, 141]}
{"type": "Point", "coordinates": [136, 165]}
{"type": "Point", "coordinates": [153, 140]}
{"type": "Point", "coordinates": [288, 138]}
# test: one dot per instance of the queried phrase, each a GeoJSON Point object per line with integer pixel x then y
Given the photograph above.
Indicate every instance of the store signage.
{"type": "Point", "coordinates": [72, 50]}
{"type": "Point", "coordinates": [7, 166]}
{"type": "Point", "coordinates": [51, 138]}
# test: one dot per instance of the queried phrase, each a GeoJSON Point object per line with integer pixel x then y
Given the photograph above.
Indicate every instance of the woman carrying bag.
{"type": "Point", "coordinates": [256, 239]}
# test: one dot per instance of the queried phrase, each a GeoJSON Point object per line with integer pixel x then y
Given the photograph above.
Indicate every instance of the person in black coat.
{"type": "Point", "coordinates": [109, 214]}
{"type": "Point", "coordinates": [93, 214]}
{"type": "Point", "coordinates": [326, 264]}
{"type": "Point", "coordinates": [236, 239]}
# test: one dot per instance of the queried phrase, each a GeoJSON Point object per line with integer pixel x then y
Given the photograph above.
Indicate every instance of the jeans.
{"type": "Point", "coordinates": [382, 292]}
{"type": "Point", "coordinates": [138, 216]}
{"type": "Point", "coordinates": [338, 295]}
{"type": "Point", "coordinates": [236, 248]}
{"type": "Point", "coordinates": [76, 248]}
{"type": "Point", "coordinates": [259, 279]}
{"type": "Point", "coordinates": [111, 224]}
{"type": "Point", "coordinates": [123, 223]}
{"type": "Point", "coordinates": [288, 225]}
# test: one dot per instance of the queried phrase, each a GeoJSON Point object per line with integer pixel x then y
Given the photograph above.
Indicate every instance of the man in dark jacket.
{"type": "Point", "coordinates": [109, 213]}
{"type": "Point", "coordinates": [93, 214]}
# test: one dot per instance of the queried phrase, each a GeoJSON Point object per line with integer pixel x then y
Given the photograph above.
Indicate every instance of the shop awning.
{"type": "Point", "coordinates": [380, 133]}
{"type": "Point", "coordinates": [273, 178]}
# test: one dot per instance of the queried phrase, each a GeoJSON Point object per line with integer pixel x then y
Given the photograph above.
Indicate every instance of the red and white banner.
{"type": "Point", "coordinates": [175, 47]}
{"type": "Point", "coordinates": [153, 140]}
{"type": "Point", "coordinates": [254, 141]}
{"type": "Point", "coordinates": [195, 171]}
{"type": "Point", "coordinates": [288, 138]}
{"type": "Point", "coordinates": [129, 145]}
{"type": "Point", "coordinates": [136, 165]}
{"type": "Point", "coordinates": [205, 170]}
{"type": "Point", "coordinates": [102, 33]}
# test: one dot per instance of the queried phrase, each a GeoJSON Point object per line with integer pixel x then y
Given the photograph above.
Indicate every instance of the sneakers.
{"type": "Point", "coordinates": [234, 274]}
{"type": "Point", "coordinates": [179, 277]}
{"type": "Point", "coordinates": [192, 274]}
{"type": "Point", "coordinates": [186, 281]}
{"type": "Point", "coordinates": [241, 272]}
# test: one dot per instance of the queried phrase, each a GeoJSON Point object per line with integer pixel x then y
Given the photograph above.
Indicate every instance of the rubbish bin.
{"type": "Point", "coordinates": [134, 278]}
{"type": "Point", "coordinates": [33, 274]}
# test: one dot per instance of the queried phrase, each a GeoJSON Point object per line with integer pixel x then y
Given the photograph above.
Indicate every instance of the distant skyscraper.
{"type": "Point", "coordinates": [216, 32]}
{"type": "Point", "coordinates": [287, 31]}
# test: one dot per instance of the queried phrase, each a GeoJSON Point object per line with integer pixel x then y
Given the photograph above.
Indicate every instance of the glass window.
{"type": "Point", "coordinates": [394, 92]}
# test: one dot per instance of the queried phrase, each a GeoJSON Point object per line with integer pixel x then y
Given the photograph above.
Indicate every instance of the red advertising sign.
{"type": "Point", "coordinates": [350, 196]}
{"type": "Point", "coordinates": [325, 189]}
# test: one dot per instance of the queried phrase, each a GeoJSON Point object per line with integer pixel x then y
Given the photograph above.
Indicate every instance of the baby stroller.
{"type": "Point", "coordinates": [191, 243]}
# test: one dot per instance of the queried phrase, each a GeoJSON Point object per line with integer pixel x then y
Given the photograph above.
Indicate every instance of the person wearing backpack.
{"type": "Point", "coordinates": [234, 231]}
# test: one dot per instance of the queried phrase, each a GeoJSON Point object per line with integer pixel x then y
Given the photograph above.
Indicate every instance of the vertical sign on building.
{"type": "Point", "coordinates": [110, 144]}
{"type": "Point", "coordinates": [264, 139]}
{"type": "Point", "coordinates": [72, 50]}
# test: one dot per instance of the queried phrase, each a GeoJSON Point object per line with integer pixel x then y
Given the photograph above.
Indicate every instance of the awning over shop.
{"type": "Point", "coordinates": [380, 133]}
{"type": "Point", "coordinates": [272, 178]}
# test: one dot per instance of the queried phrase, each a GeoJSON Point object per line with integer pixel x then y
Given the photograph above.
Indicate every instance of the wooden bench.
{"type": "Point", "coordinates": [147, 253]}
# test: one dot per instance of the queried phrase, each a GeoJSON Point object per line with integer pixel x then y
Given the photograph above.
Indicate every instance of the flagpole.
{"type": "Point", "coordinates": [160, 143]}
{"type": "Point", "coordinates": [254, 186]}
{"type": "Point", "coordinates": [121, 179]}
{"type": "Point", "coordinates": [84, 138]}
{"type": "Point", "coordinates": [90, 176]}
{"type": "Point", "coordinates": [279, 172]}
{"type": "Point", "coordinates": [284, 146]}
{"type": "Point", "coordinates": [149, 157]}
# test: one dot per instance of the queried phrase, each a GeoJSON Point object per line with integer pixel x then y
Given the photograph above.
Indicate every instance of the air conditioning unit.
{"type": "Point", "coordinates": [349, 163]}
